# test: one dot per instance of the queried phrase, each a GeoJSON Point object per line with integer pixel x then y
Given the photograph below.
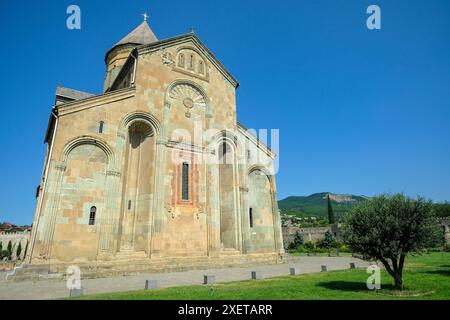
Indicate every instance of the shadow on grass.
{"type": "Point", "coordinates": [350, 286]}
{"type": "Point", "coordinates": [445, 273]}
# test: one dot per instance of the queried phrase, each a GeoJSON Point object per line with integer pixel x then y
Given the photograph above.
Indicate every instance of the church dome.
{"type": "Point", "coordinates": [117, 56]}
{"type": "Point", "coordinates": [139, 36]}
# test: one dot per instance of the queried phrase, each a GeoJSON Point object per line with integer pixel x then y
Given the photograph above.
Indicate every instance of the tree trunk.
{"type": "Point", "coordinates": [398, 281]}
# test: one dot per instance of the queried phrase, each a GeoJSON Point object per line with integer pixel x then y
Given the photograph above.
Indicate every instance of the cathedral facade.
{"type": "Point", "coordinates": [157, 167]}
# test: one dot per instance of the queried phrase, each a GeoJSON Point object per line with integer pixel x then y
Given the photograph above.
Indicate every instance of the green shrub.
{"type": "Point", "coordinates": [309, 245]}
{"type": "Point", "coordinates": [297, 242]}
{"type": "Point", "coordinates": [5, 254]}
{"type": "Point", "coordinates": [328, 241]}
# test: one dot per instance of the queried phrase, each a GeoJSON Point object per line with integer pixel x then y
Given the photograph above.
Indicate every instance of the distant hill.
{"type": "Point", "coordinates": [316, 204]}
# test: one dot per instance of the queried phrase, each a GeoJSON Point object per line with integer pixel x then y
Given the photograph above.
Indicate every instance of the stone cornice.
{"type": "Point", "coordinates": [186, 147]}
{"type": "Point", "coordinates": [156, 46]}
{"type": "Point", "coordinates": [75, 106]}
{"type": "Point", "coordinates": [256, 141]}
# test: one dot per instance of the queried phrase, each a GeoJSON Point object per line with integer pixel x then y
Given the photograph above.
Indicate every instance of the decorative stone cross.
{"type": "Point", "coordinates": [145, 15]}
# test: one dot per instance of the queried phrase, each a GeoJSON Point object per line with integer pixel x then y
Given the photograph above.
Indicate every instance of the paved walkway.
{"type": "Point", "coordinates": [52, 289]}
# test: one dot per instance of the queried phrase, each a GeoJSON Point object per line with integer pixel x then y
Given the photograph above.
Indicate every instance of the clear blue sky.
{"type": "Point", "coordinates": [359, 111]}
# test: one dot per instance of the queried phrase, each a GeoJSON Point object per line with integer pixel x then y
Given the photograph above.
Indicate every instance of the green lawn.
{"type": "Point", "coordinates": [427, 275]}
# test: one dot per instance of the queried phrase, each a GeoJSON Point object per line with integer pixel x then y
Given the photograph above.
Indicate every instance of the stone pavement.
{"type": "Point", "coordinates": [53, 289]}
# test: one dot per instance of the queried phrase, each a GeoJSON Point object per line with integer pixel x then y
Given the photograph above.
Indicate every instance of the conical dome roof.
{"type": "Point", "coordinates": [141, 35]}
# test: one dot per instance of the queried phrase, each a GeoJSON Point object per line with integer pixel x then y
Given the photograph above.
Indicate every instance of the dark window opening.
{"type": "Point", "coordinates": [129, 204]}
{"type": "Point", "coordinates": [250, 215]}
{"type": "Point", "coordinates": [100, 127]}
{"type": "Point", "coordinates": [191, 61]}
{"type": "Point", "coordinates": [185, 182]}
{"type": "Point", "coordinates": [92, 216]}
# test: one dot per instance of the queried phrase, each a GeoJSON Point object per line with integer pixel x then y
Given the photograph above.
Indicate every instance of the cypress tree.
{"type": "Point", "coordinates": [331, 219]}
{"type": "Point", "coordinates": [9, 249]}
{"type": "Point", "coordinates": [19, 251]}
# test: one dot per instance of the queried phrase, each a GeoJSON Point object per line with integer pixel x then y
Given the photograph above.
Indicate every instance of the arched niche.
{"type": "Point", "coordinates": [260, 214]}
{"type": "Point", "coordinates": [228, 195]}
{"type": "Point", "coordinates": [137, 189]}
{"type": "Point", "coordinates": [83, 186]}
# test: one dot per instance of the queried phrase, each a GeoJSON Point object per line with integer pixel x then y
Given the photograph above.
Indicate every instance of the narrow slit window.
{"type": "Point", "coordinates": [92, 216]}
{"type": "Point", "coordinates": [129, 204]}
{"type": "Point", "coordinates": [250, 217]}
{"type": "Point", "coordinates": [100, 127]}
{"type": "Point", "coordinates": [181, 60]}
{"type": "Point", "coordinates": [185, 182]}
{"type": "Point", "coordinates": [191, 62]}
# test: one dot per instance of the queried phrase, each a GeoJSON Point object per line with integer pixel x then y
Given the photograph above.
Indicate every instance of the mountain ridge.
{"type": "Point", "coordinates": [316, 204]}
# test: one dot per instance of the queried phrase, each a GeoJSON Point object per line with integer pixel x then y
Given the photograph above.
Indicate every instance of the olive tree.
{"type": "Point", "coordinates": [387, 228]}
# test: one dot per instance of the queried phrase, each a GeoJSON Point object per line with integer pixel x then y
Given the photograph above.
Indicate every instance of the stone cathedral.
{"type": "Point", "coordinates": [156, 170]}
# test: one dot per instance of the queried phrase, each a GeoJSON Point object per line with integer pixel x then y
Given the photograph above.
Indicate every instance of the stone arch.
{"type": "Point", "coordinates": [137, 183]}
{"type": "Point", "coordinates": [167, 98]}
{"type": "Point", "coordinates": [82, 185]}
{"type": "Point", "coordinates": [232, 139]}
{"type": "Point", "coordinates": [261, 197]}
{"type": "Point", "coordinates": [88, 140]}
{"type": "Point", "coordinates": [200, 55]}
{"type": "Point", "coordinates": [229, 178]}
{"type": "Point", "coordinates": [140, 116]}
{"type": "Point", "coordinates": [267, 172]}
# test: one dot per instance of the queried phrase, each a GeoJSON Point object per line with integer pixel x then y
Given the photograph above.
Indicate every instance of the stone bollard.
{"type": "Point", "coordinates": [324, 268]}
{"type": "Point", "coordinates": [151, 284]}
{"type": "Point", "coordinates": [352, 265]}
{"type": "Point", "coordinates": [294, 271]}
{"type": "Point", "coordinates": [209, 279]}
{"type": "Point", "coordinates": [73, 293]}
{"type": "Point", "coordinates": [256, 275]}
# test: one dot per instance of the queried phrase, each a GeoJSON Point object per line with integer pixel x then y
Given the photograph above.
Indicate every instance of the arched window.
{"type": "Point", "coordinates": [250, 216]}
{"type": "Point", "coordinates": [92, 216]}
{"type": "Point", "coordinates": [191, 61]}
{"type": "Point", "coordinates": [185, 182]}
{"type": "Point", "coordinates": [100, 127]}
{"type": "Point", "coordinates": [181, 60]}
{"type": "Point", "coordinates": [201, 67]}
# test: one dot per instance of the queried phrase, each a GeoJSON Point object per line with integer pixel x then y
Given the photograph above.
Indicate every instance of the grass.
{"type": "Point", "coordinates": [425, 277]}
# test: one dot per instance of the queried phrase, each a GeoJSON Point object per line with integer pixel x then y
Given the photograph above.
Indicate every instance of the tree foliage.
{"type": "Point", "coordinates": [328, 241]}
{"type": "Point", "coordinates": [442, 210]}
{"type": "Point", "coordinates": [297, 242]}
{"type": "Point", "coordinates": [388, 228]}
{"type": "Point", "coordinates": [19, 250]}
{"type": "Point", "coordinates": [9, 249]}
